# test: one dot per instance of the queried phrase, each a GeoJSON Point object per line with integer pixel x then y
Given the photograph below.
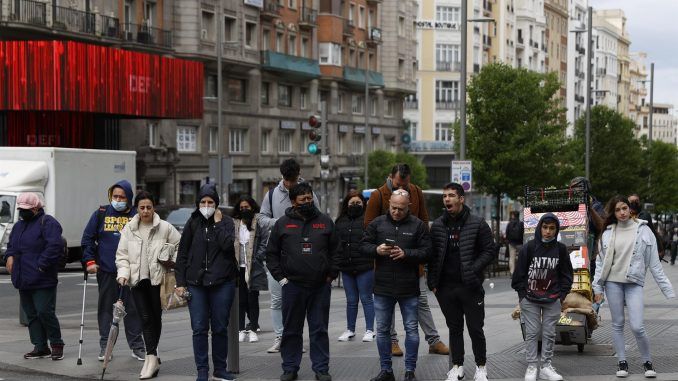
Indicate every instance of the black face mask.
{"type": "Point", "coordinates": [354, 211]}
{"type": "Point", "coordinates": [26, 214]}
{"type": "Point", "coordinates": [306, 210]}
{"type": "Point", "coordinates": [247, 214]}
{"type": "Point", "coordinates": [635, 207]}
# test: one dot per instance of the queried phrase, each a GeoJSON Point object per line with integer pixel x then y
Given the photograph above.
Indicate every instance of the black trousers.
{"type": "Point", "coordinates": [457, 303]}
{"type": "Point", "coordinates": [108, 294]}
{"type": "Point", "coordinates": [147, 299]}
{"type": "Point", "coordinates": [249, 304]}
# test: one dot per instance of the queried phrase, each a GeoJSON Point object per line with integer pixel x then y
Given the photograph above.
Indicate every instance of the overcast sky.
{"type": "Point", "coordinates": [653, 28]}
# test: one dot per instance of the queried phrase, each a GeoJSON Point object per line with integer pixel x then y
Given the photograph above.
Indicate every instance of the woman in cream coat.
{"type": "Point", "coordinates": [144, 242]}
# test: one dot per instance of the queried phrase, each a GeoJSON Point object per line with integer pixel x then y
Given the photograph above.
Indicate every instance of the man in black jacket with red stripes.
{"type": "Point", "coordinates": [462, 247]}
{"type": "Point", "coordinates": [301, 255]}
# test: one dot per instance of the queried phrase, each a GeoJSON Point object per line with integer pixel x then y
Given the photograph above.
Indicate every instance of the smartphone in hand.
{"type": "Point", "coordinates": [389, 242]}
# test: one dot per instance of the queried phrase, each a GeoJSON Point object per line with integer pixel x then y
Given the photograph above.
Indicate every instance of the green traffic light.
{"type": "Point", "coordinates": [313, 148]}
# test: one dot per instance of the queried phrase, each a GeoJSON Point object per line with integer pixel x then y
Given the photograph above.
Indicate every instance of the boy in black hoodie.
{"type": "Point", "coordinates": [542, 278]}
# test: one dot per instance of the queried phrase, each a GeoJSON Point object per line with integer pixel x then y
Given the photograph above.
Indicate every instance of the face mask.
{"type": "Point", "coordinates": [355, 210]}
{"type": "Point", "coordinates": [247, 214]}
{"type": "Point", "coordinates": [26, 214]}
{"type": "Point", "coordinates": [306, 210]}
{"type": "Point", "coordinates": [207, 211]}
{"type": "Point", "coordinates": [547, 240]}
{"type": "Point", "coordinates": [120, 206]}
{"type": "Point", "coordinates": [635, 207]}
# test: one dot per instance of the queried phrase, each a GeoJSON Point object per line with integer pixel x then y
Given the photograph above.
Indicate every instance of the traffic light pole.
{"type": "Point", "coordinates": [324, 150]}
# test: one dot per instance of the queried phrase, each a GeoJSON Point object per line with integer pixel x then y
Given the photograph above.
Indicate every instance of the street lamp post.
{"type": "Point", "coordinates": [368, 134]}
{"type": "Point", "coordinates": [589, 77]}
{"type": "Point", "coordinates": [649, 132]}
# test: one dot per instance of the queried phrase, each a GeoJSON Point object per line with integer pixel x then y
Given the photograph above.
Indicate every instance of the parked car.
{"type": "Point", "coordinates": [178, 215]}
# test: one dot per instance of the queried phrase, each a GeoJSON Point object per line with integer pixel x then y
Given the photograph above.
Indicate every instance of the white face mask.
{"type": "Point", "coordinates": [207, 211]}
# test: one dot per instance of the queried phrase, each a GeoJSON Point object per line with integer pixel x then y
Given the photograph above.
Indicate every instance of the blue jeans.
{"type": "Point", "coordinates": [632, 293]}
{"type": "Point", "coordinates": [359, 286]}
{"type": "Point", "coordinates": [210, 308]}
{"type": "Point", "coordinates": [312, 304]}
{"type": "Point", "coordinates": [383, 308]}
{"type": "Point", "coordinates": [276, 304]}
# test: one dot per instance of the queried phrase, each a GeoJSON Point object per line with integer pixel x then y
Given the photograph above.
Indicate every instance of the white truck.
{"type": "Point", "coordinates": [71, 182]}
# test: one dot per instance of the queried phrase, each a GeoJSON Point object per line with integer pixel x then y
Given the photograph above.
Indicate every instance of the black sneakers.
{"type": "Point", "coordinates": [323, 376]}
{"type": "Point", "coordinates": [409, 376]}
{"type": "Point", "coordinates": [649, 370]}
{"type": "Point", "coordinates": [288, 376]}
{"type": "Point", "coordinates": [384, 375]}
{"type": "Point", "coordinates": [623, 369]}
{"type": "Point", "coordinates": [38, 354]}
{"type": "Point", "coordinates": [57, 352]}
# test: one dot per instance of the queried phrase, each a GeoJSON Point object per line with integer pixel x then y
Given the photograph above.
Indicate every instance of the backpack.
{"type": "Point", "coordinates": [515, 232]}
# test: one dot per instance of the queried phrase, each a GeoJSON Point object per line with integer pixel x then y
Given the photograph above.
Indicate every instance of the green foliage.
{"type": "Point", "coordinates": [662, 165]}
{"type": "Point", "coordinates": [516, 132]}
{"type": "Point", "coordinates": [616, 161]}
{"type": "Point", "coordinates": [381, 163]}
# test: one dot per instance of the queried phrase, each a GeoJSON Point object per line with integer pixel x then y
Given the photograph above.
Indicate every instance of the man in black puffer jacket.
{"type": "Point", "coordinates": [399, 242]}
{"type": "Point", "coordinates": [301, 255]}
{"type": "Point", "coordinates": [462, 247]}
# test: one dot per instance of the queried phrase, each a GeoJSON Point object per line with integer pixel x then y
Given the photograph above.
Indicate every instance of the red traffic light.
{"type": "Point", "coordinates": [314, 136]}
{"type": "Point", "coordinates": [314, 121]}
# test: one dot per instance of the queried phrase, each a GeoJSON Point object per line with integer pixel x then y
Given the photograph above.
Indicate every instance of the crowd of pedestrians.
{"type": "Point", "coordinates": [383, 248]}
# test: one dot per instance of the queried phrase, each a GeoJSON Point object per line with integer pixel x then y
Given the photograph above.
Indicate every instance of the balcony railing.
{"type": "Point", "coordinates": [520, 40]}
{"type": "Point", "coordinates": [487, 6]}
{"type": "Point", "coordinates": [74, 20]}
{"type": "Point", "coordinates": [270, 9]}
{"type": "Point", "coordinates": [411, 105]}
{"type": "Point", "coordinates": [431, 146]}
{"type": "Point", "coordinates": [601, 71]}
{"type": "Point", "coordinates": [110, 26]}
{"type": "Point", "coordinates": [476, 68]}
{"type": "Point", "coordinates": [447, 105]}
{"type": "Point", "coordinates": [147, 35]}
{"type": "Point", "coordinates": [28, 12]}
{"type": "Point", "coordinates": [375, 36]}
{"type": "Point", "coordinates": [448, 65]}
{"type": "Point", "coordinates": [309, 17]}
{"type": "Point", "coordinates": [348, 27]}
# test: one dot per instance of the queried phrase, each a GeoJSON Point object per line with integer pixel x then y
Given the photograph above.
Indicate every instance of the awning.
{"type": "Point", "coordinates": [76, 77]}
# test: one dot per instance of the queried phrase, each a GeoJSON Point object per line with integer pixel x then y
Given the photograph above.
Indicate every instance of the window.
{"type": "Point", "coordinates": [341, 144]}
{"type": "Point", "coordinates": [357, 102]}
{"type": "Point", "coordinates": [401, 26]}
{"type": "Point", "coordinates": [237, 90]}
{"type": "Point", "coordinates": [329, 53]}
{"type": "Point", "coordinates": [413, 130]}
{"type": "Point", "coordinates": [266, 40]}
{"type": "Point", "coordinates": [371, 20]}
{"type": "Point", "coordinates": [291, 4]}
{"type": "Point", "coordinates": [237, 140]}
{"type": "Point", "coordinates": [448, 14]}
{"type": "Point", "coordinates": [358, 145]}
{"type": "Point", "coordinates": [372, 62]}
{"type": "Point", "coordinates": [303, 98]}
{"type": "Point", "coordinates": [304, 47]}
{"type": "Point", "coordinates": [351, 57]}
{"type": "Point", "coordinates": [265, 141]}
{"type": "Point", "coordinates": [390, 108]}
{"type": "Point", "coordinates": [129, 15]}
{"type": "Point", "coordinates": [285, 95]}
{"type": "Point", "coordinates": [211, 86]}
{"type": "Point", "coordinates": [149, 13]}
{"type": "Point", "coordinates": [361, 17]}
{"type": "Point", "coordinates": [340, 102]}
{"type": "Point", "coordinates": [447, 57]}
{"type": "Point", "coordinates": [447, 91]}
{"type": "Point", "coordinates": [250, 35]}
{"type": "Point", "coordinates": [229, 29]}
{"type": "Point", "coordinates": [444, 132]}
{"type": "Point", "coordinates": [279, 43]}
{"type": "Point", "coordinates": [186, 139]}
{"type": "Point", "coordinates": [401, 68]}
{"type": "Point", "coordinates": [265, 88]}
{"type": "Point", "coordinates": [373, 106]}
{"type": "Point", "coordinates": [285, 142]}
{"type": "Point", "coordinates": [207, 32]}
{"type": "Point", "coordinates": [351, 11]}
{"type": "Point", "coordinates": [361, 60]}
{"type": "Point", "coordinates": [152, 134]}
{"type": "Point", "coordinates": [214, 139]}
{"type": "Point", "coordinates": [292, 45]}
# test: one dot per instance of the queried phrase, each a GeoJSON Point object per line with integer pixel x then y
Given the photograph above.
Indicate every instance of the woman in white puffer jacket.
{"type": "Point", "coordinates": [138, 256]}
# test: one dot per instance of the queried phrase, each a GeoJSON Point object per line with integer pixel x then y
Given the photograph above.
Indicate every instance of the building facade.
{"type": "Point", "coordinates": [638, 101]}
{"type": "Point", "coordinates": [577, 61]}
{"type": "Point", "coordinates": [531, 35]}
{"type": "Point", "coordinates": [556, 33]}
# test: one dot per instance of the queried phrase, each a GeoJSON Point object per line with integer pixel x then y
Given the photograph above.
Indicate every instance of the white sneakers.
{"type": "Point", "coordinates": [242, 335]}
{"type": "Point", "coordinates": [531, 373]}
{"type": "Point", "coordinates": [481, 373]}
{"type": "Point", "coordinates": [456, 373]}
{"type": "Point", "coordinates": [275, 348]}
{"type": "Point", "coordinates": [252, 337]}
{"type": "Point", "coordinates": [549, 373]}
{"type": "Point", "coordinates": [347, 336]}
{"type": "Point", "coordinates": [369, 336]}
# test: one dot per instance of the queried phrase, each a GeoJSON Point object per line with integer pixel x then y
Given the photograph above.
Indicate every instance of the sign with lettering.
{"type": "Point", "coordinates": [429, 24]}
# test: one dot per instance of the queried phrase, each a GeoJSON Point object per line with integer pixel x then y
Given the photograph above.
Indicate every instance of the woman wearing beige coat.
{"type": "Point", "coordinates": [144, 242]}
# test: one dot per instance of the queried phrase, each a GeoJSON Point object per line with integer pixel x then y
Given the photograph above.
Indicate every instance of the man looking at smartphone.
{"type": "Point", "coordinates": [399, 242]}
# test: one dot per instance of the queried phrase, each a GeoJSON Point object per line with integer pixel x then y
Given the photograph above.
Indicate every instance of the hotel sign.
{"type": "Point", "coordinates": [429, 24]}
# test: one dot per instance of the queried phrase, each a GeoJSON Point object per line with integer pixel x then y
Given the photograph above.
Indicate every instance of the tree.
{"type": "Point", "coordinates": [516, 131]}
{"type": "Point", "coordinates": [616, 157]}
{"type": "Point", "coordinates": [662, 166]}
{"type": "Point", "coordinates": [381, 163]}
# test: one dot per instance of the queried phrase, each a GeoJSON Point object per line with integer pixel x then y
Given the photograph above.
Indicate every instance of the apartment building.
{"type": "Point", "coordinates": [611, 60]}
{"type": "Point", "coordinates": [502, 32]}
{"type": "Point", "coordinates": [556, 33]}
{"type": "Point", "coordinates": [664, 124]}
{"type": "Point", "coordinates": [577, 61]}
{"type": "Point", "coordinates": [531, 35]}
{"type": "Point", "coordinates": [638, 94]}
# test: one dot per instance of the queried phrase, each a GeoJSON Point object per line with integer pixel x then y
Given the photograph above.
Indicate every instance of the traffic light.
{"type": "Point", "coordinates": [314, 135]}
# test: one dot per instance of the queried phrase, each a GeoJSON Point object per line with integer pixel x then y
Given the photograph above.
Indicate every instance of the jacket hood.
{"type": "Point", "coordinates": [291, 213]}
{"type": "Point", "coordinates": [125, 186]}
{"type": "Point", "coordinates": [209, 190]}
{"type": "Point", "coordinates": [537, 231]}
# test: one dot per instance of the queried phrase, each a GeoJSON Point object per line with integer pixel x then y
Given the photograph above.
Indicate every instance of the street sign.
{"type": "Point", "coordinates": [462, 173]}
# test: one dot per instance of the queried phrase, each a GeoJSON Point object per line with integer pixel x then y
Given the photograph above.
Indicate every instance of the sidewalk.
{"type": "Point", "coordinates": [357, 360]}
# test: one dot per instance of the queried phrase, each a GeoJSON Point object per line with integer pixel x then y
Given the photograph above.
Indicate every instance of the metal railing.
{"type": "Point", "coordinates": [309, 16]}
{"type": "Point", "coordinates": [110, 26]}
{"type": "Point", "coordinates": [147, 35]}
{"type": "Point", "coordinates": [348, 27]}
{"type": "Point", "coordinates": [270, 8]}
{"type": "Point", "coordinates": [73, 20]}
{"type": "Point", "coordinates": [448, 65]}
{"type": "Point", "coordinates": [28, 12]}
{"type": "Point", "coordinates": [411, 105]}
{"type": "Point", "coordinates": [447, 105]}
{"type": "Point", "coordinates": [601, 71]}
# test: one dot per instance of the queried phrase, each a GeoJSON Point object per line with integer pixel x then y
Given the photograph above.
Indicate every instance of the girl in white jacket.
{"type": "Point", "coordinates": [142, 241]}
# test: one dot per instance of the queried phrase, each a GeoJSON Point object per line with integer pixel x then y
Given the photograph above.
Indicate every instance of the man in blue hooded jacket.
{"type": "Point", "coordinates": [99, 244]}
